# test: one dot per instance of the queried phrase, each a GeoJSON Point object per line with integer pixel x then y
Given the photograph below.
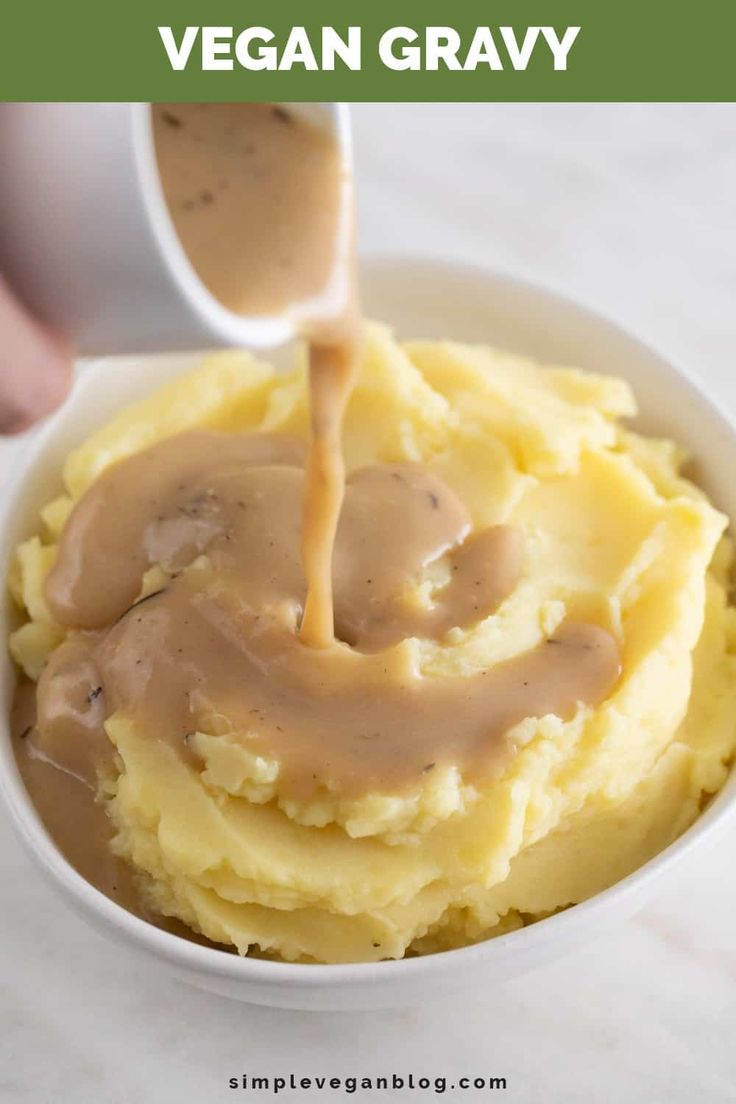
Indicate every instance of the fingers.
{"type": "Point", "coordinates": [35, 366]}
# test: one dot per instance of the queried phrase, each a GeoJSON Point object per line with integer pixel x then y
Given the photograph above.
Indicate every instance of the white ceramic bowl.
{"type": "Point", "coordinates": [422, 299]}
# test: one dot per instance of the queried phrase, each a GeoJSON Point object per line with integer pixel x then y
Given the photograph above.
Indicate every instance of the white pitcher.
{"type": "Point", "coordinates": [87, 241]}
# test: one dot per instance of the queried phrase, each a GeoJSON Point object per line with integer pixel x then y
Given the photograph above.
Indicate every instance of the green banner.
{"type": "Point", "coordinates": [569, 50]}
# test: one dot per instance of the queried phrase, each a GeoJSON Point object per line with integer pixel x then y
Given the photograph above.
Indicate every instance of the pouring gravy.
{"type": "Point", "coordinates": [301, 583]}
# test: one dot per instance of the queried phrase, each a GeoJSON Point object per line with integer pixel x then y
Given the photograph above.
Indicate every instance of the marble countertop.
{"type": "Point", "coordinates": [632, 209]}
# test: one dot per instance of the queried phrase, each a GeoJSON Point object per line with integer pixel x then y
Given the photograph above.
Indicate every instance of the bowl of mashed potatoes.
{"type": "Point", "coordinates": [578, 712]}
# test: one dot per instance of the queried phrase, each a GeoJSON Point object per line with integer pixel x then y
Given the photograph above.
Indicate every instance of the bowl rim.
{"type": "Point", "coordinates": [113, 919]}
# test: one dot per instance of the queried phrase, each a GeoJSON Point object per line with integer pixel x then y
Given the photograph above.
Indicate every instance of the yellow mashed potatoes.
{"type": "Point", "coordinates": [613, 533]}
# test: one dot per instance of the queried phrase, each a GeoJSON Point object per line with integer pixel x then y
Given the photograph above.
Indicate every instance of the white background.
{"type": "Point", "coordinates": [631, 209]}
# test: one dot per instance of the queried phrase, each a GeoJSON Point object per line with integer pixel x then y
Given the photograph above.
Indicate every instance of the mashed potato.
{"type": "Point", "coordinates": [613, 533]}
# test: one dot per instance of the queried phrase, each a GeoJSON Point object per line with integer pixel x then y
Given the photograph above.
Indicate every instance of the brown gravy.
{"type": "Point", "coordinates": [285, 591]}
{"type": "Point", "coordinates": [222, 638]}
{"type": "Point", "coordinates": [254, 193]}
{"type": "Point", "coordinates": [75, 817]}
{"type": "Point", "coordinates": [257, 196]}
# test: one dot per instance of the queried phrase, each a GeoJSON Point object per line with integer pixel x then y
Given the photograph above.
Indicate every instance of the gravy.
{"type": "Point", "coordinates": [222, 637]}
{"type": "Point", "coordinates": [258, 198]}
{"type": "Point", "coordinates": [255, 195]}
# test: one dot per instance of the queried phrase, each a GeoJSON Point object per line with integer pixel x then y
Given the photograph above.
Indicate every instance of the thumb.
{"type": "Point", "coordinates": [35, 366]}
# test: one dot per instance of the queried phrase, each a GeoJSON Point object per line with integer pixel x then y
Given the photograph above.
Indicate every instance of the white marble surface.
{"type": "Point", "coordinates": [631, 208]}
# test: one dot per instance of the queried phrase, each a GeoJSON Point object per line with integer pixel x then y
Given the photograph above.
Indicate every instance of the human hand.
{"type": "Point", "coordinates": [35, 366]}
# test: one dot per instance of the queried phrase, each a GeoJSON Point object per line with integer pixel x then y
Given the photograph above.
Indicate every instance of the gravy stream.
{"type": "Point", "coordinates": [255, 173]}
{"type": "Point", "coordinates": [286, 593]}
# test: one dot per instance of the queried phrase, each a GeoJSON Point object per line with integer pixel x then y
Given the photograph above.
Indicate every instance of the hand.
{"type": "Point", "coordinates": [35, 366]}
